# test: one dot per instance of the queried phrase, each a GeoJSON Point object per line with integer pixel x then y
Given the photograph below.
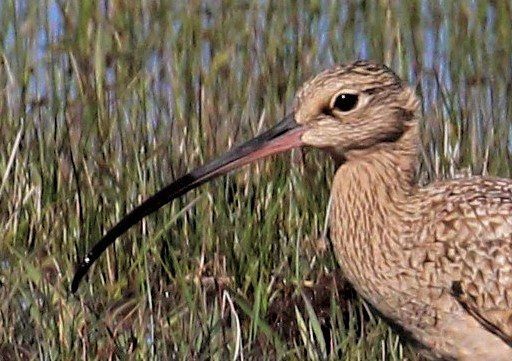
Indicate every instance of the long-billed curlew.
{"type": "Point", "coordinates": [434, 261]}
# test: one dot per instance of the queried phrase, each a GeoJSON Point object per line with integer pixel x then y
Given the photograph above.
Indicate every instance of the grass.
{"type": "Point", "coordinates": [104, 102]}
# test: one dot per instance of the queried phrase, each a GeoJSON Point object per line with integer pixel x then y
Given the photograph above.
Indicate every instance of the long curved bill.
{"type": "Point", "coordinates": [283, 136]}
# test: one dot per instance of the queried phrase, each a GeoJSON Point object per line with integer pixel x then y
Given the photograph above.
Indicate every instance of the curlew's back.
{"type": "Point", "coordinates": [472, 219]}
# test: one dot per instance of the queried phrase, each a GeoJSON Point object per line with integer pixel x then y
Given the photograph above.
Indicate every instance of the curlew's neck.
{"type": "Point", "coordinates": [372, 208]}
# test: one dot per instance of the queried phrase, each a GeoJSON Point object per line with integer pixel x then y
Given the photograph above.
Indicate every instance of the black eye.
{"type": "Point", "coordinates": [345, 102]}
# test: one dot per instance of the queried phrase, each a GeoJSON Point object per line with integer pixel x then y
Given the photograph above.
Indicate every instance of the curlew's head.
{"type": "Point", "coordinates": [349, 107]}
{"type": "Point", "coordinates": [354, 106]}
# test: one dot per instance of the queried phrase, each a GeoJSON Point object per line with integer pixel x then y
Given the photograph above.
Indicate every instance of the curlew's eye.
{"type": "Point", "coordinates": [345, 102]}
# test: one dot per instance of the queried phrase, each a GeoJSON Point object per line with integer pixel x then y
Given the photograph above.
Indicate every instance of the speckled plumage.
{"type": "Point", "coordinates": [436, 260]}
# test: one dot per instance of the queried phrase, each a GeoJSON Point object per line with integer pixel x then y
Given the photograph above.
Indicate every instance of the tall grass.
{"type": "Point", "coordinates": [104, 102]}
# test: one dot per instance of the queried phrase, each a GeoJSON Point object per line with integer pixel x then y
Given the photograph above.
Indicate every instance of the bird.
{"type": "Point", "coordinates": [434, 261]}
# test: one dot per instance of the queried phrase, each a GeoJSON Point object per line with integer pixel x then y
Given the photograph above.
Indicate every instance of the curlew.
{"type": "Point", "coordinates": [434, 261]}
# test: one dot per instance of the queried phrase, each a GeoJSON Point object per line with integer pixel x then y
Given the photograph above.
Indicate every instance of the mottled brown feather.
{"type": "Point", "coordinates": [474, 221]}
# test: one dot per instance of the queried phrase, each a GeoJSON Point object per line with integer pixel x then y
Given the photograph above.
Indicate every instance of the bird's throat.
{"type": "Point", "coordinates": [373, 203]}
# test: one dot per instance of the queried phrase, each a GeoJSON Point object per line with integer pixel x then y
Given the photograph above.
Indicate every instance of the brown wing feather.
{"type": "Point", "coordinates": [474, 222]}
{"type": "Point", "coordinates": [496, 322]}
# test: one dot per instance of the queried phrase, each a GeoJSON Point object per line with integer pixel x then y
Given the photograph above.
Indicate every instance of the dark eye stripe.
{"type": "Point", "coordinates": [371, 91]}
{"type": "Point", "coordinates": [380, 88]}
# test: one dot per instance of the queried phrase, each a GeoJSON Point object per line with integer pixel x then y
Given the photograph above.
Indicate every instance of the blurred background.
{"type": "Point", "coordinates": [104, 102]}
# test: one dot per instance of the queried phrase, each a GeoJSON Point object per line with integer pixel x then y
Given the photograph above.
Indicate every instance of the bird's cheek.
{"type": "Point", "coordinates": [321, 137]}
{"type": "Point", "coordinates": [312, 138]}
